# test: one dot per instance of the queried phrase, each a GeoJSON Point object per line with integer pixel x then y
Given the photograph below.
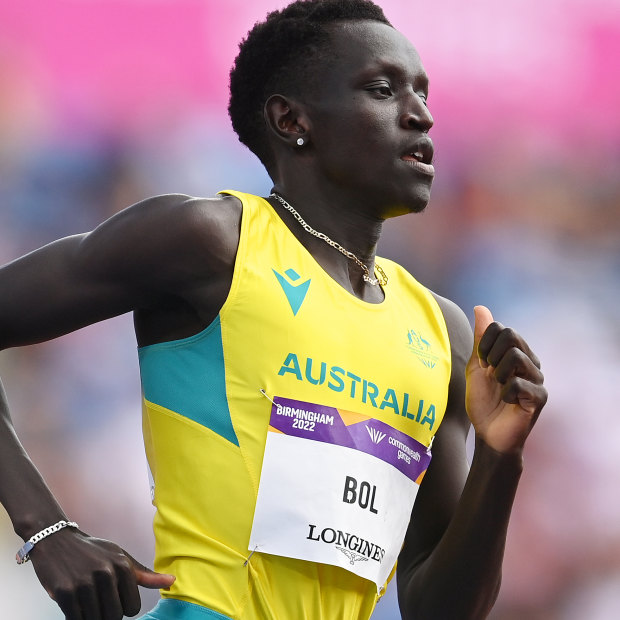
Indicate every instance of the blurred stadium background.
{"type": "Point", "coordinates": [105, 102]}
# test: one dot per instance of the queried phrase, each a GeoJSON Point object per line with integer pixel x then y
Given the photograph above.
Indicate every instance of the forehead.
{"type": "Point", "coordinates": [358, 46]}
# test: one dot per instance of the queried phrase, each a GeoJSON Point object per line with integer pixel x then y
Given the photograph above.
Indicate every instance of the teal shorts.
{"type": "Point", "coordinates": [173, 609]}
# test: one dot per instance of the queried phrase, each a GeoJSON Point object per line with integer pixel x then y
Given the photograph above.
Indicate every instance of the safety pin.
{"type": "Point", "coordinates": [249, 556]}
{"type": "Point", "coordinates": [278, 405]}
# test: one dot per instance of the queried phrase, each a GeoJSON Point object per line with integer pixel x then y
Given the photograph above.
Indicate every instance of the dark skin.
{"type": "Point", "coordinates": [170, 260]}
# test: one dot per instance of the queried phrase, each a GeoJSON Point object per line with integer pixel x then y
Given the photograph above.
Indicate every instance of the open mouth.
{"type": "Point", "coordinates": [420, 158]}
{"type": "Point", "coordinates": [416, 161]}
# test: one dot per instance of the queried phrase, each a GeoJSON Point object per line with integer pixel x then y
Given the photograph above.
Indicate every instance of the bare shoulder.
{"type": "Point", "coordinates": [179, 218]}
{"type": "Point", "coordinates": [175, 254]}
{"type": "Point", "coordinates": [176, 232]}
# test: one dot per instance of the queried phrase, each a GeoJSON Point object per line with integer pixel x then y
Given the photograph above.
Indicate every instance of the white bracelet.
{"type": "Point", "coordinates": [22, 555]}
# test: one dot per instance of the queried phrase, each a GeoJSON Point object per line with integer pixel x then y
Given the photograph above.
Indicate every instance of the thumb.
{"type": "Point", "coordinates": [482, 319]}
{"type": "Point", "coordinates": [147, 578]}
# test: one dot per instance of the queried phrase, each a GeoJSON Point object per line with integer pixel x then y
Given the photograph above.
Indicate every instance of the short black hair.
{"type": "Point", "coordinates": [277, 56]}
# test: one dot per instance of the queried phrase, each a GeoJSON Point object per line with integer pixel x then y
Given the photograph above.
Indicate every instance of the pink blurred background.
{"type": "Point", "coordinates": [103, 103]}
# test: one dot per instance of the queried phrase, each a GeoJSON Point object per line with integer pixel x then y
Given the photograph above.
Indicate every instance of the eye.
{"type": "Point", "coordinates": [382, 89]}
{"type": "Point", "coordinates": [424, 98]}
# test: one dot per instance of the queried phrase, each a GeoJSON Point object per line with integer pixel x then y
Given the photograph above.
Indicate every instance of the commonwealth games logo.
{"type": "Point", "coordinates": [375, 435]}
{"type": "Point", "coordinates": [421, 348]}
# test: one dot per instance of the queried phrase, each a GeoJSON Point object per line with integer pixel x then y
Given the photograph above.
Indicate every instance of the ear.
{"type": "Point", "coordinates": [286, 120]}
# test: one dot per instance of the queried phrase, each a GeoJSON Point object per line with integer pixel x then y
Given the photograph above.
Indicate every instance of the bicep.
{"type": "Point", "coordinates": [53, 290]}
{"type": "Point", "coordinates": [128, 262]}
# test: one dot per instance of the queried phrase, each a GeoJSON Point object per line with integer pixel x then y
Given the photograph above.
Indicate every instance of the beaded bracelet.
{"type": "Point", "coordinates": [22, 555]}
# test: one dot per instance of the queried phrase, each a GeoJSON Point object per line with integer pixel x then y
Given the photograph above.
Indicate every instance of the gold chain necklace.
{"type": "Point", "coordinates": [381, 279]}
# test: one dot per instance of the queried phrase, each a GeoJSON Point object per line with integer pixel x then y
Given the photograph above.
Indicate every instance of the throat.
{"type": "Point", "coordinates": [371, 273]}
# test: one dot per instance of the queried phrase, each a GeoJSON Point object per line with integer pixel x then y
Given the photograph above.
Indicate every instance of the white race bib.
{"type": "Point", "coordinates": [336, 487]}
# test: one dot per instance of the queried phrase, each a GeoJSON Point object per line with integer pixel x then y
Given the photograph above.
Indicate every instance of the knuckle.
{"type": "Point", "coordinates": [511, 390]}
{"type": "Point", "coordinates": [510, 334]}
{"type": "Point", "coordinates": [63, 594]}
{"type": "Point", "coordinates": [104, 574]}
{"type": "Point", "coordinates": [123, 562]}
{"type": "Point", "coordinates": [84, 587]}
{"type": "Point", "coordinates": [518, 356]}
{"type": "Point", "coordinates": [123, 569]}
{"type": "Point", "coordinates": [523, 386]}
{"type": "Point", "coordinates": [543, 395]}
{"type": "Point", "coordinates": [524, 364]}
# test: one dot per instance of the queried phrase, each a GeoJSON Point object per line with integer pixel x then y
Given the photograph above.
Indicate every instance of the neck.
{"type": "Point", "coordinates": [367, 277]}
{"type": "Point", "coordinates": [342, 220]}
{"type": "Point", "coordinates": [348, 252]}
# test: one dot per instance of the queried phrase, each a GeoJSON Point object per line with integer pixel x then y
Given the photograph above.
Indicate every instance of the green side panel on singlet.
{"type": "Point", "coordinates": [172, 609]}
{"type": "Point", "coordinates": [187, 376]}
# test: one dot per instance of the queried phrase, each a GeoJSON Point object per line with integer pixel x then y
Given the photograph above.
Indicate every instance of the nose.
{"type": "Point", "coordinates": [416, 114]}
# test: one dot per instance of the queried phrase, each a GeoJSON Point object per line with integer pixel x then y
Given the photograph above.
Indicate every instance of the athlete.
{"type": "Point", "coordinates": [306, 405]}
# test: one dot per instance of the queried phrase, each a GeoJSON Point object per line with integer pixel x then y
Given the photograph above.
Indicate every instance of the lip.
{"type": "Point", "coordinates": [427, 169]}
{"type": "Point", "coordinates": [419, 155]}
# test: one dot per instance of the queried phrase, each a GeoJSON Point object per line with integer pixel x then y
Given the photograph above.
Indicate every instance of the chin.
{"type": "Point", "coordinates": [413, 204]}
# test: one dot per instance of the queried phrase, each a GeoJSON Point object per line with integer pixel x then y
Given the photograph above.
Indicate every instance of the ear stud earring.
{"type": "Point", "coordinates": [300, 141]}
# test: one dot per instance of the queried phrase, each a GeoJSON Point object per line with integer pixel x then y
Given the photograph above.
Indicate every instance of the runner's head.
{"type": "Point", "coordinates": [283, 55]}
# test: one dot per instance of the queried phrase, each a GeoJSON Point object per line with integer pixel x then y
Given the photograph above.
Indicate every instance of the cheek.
{"type": "Point", "coordinates": [355, 123]}
{"type": "Point", "coordinates": [354, 139]}
{"type": "Point", "coordinates": [377, 133]}
{"type": "Point", "coordinates": [371, 139]}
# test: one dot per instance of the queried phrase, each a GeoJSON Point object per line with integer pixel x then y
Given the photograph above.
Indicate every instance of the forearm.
{"type": "Point", "coordinates": [23, 493]}
{"type": "Point", "coordinates": [461, 578]}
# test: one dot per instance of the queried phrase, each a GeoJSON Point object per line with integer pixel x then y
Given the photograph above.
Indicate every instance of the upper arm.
{"type": "Point", "coordinates": [443, 483]}
{"type": "Point", "coordinates": [158, 248]}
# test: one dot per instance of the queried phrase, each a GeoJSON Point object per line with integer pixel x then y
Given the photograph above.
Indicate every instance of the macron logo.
{"type": "Point", "coordinates": [375, 435]}
{"type": "Point", "coordinates": [295, 293]}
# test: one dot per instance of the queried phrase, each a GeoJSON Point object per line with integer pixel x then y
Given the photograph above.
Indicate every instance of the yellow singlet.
{"type": "Point", "coordinates": [287, 335]}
